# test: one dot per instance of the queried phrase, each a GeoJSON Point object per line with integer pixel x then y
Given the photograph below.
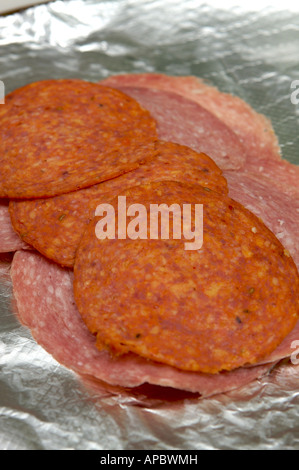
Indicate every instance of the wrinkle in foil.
{"type": "Point", "coordinates": [249, 50]}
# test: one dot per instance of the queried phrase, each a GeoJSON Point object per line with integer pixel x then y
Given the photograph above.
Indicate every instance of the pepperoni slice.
{"type": "Point", "coordinates": [226, 305]}
{"type": "Point", "coordinates": [54, 226]}
{"type": "Point", "coordinates": [57, 136]}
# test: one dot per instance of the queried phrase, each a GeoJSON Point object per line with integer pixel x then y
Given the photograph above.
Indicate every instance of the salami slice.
{"type": "Point", "coordinates": [9, 239]}
{"type": "Point", "coordinates": [185, 122]}
{"type": "Point", "coordinates": [279, 211]}
{"type": "Point", "coordinates": [253, 129]}
{"type": "Point", "coordinates": [225, 305]}
{"type": "Point", "coordinates": [45, 303]}
{"type": "Point", "coordinates": [283, 175]}
{"type": "Point", "coordinates": [60, 135]}
{"type": "Point", "coordinates": [54, 226]}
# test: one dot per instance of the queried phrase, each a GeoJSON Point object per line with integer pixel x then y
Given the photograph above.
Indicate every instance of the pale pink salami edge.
{"type": "Point", "coordinates": [9, 239]}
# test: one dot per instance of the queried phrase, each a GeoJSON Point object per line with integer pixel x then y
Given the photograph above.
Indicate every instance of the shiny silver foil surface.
{"type": "Point", "coordinates": [250, 49]}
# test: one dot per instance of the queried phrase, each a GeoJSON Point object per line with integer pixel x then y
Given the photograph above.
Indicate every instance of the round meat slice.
{"type": "Point", "coordinates": [60, 135]}
{"type": "Point", "coordinates": [185, 122]}
{"type": "Point", "coordinates": [225, 305]}
{"type": "Point", "coordinates": [54, 226]}
{"type": "Point", "coordinates": [253, 129]}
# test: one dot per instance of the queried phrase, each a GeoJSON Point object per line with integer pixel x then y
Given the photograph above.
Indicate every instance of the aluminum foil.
{"type": "Point", "coordinates": [250, 50]}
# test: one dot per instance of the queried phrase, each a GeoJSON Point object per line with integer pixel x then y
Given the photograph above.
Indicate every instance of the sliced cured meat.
{"type": "Point", "coordinates": [45, 304]}
{"type": "Point", "coordinates": [225, 305]}
{"type": "Point", "coordinates": [60, 135]}
{"type": "Point", "coordinates": [281, 174]}
{"type": "Point", "coordinates": [54, 226]}
{"type": "Point", "coordinates": [9, 239]}
{"type": "Point", "coordinates": [279, 212]}
{"type": "Point", "coordinates": [253, 129]}
{"type": "Point", "coordinates": [185, 122]}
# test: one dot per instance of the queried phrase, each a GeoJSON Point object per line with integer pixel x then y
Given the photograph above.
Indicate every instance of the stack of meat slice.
{"type": "Point", "coordinates": [264, 182]}
{"type": "Point", "coordinates": [55, 225]}
{"type": "Point", "coordinates": [174, 131]}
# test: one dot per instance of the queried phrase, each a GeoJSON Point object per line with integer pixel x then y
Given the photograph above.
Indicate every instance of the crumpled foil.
{"type": "Point", "coordinates": [251, 51]}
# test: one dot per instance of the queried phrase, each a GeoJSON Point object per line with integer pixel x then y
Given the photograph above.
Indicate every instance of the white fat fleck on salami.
{"type": "Point", "coordinates": [9, 239]}
{"type": "Point", "coordinates": [56, 324]}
